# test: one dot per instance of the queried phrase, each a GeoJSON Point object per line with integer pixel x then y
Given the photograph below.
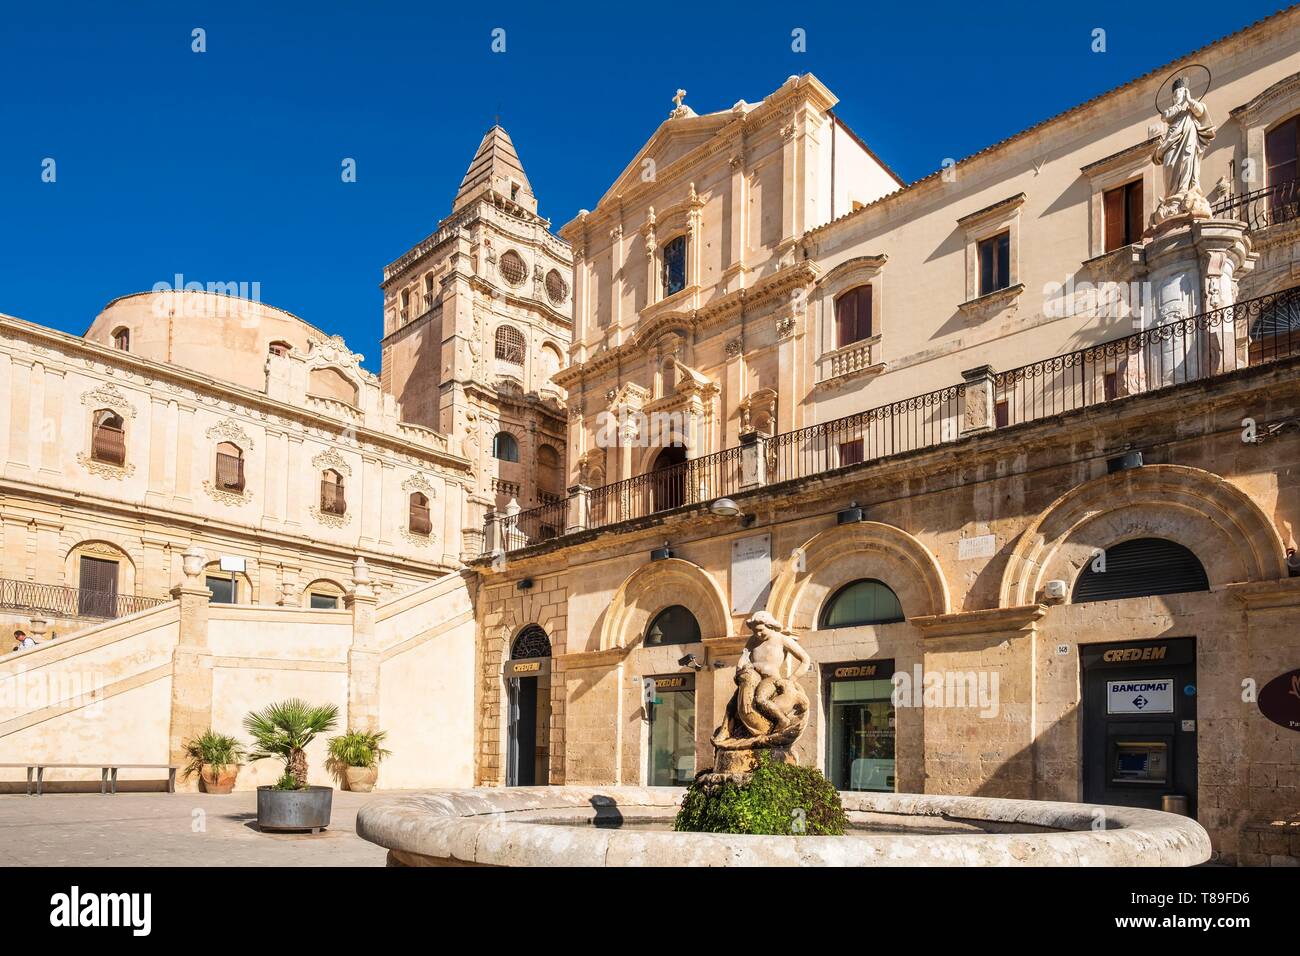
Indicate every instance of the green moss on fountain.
{"type": "Point", "coordinates": [779, 799]}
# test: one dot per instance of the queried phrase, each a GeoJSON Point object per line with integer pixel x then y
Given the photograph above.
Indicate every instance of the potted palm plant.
{"type": "Point", "coordinates": [215, 758]}
{"type": "Point", "coordinates": [282, 731]}
{"type": "Point", "coordinates": [355, 755]}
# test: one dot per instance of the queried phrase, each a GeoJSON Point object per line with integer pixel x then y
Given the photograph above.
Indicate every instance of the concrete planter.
{"type": "Point", "coordinates": [294, 810]}
{"type": "Point", "coordinates": [360, 779]}
{"type": "Point", "coordinates": [212, 782]}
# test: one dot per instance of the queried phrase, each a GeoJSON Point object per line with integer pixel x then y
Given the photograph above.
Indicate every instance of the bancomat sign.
{"type": "Point", "coordinates": [1153, 696]}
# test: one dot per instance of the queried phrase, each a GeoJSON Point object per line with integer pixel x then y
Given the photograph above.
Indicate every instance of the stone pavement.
{"type": "Point", "coordinates": [171, 829]}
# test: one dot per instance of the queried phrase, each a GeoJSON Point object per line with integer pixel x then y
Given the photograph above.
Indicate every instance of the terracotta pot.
{"type": "Point", "coordinates": [361, 779]}
{"type": "Point", "coordinates": [212, 782]}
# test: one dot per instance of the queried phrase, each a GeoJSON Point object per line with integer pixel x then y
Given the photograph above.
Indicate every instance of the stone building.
{"type": "Point", "coordinates": [197, 419]}
{"type": "Point", "coordinates": [1011, 450]}
{"type": "Point", "coordinates": [477, 321]}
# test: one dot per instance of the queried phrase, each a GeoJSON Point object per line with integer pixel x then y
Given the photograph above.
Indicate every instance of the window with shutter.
{"type": "Point", "coordinates": [853, 316]}
{"type": "Point", "coordinates": [1139, 568]}
{"type": "Point", "coordinates": [1122, 211]}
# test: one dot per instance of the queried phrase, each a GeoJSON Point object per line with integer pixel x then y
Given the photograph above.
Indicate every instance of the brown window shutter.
{"type": "Point", "coordinates": [1113, 212]}
{"type": "Point", "coordinates": [1135, 218]}
{"type": "Point", "coordinates": [845, 318]}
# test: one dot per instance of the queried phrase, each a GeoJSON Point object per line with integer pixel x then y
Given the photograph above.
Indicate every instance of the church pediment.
{"type": "Point", "coordinates": [673, 140]}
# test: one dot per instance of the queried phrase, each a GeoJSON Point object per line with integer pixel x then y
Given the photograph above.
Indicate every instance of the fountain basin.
{"type": "Point", "coordinates": [631, 826]}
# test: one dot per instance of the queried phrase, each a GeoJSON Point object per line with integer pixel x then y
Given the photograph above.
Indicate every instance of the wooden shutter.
{"type": "Point", "coordinates": [1133, 199]}
{"type": "Point", "coordinates": [97, 593]}
{"type": "Point", "coordinates": [1280, 152]}
{"type": "Point", "coordinates": [1113, 213]}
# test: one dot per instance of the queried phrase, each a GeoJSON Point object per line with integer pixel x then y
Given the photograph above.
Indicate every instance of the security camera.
{"type": "Point", "coordinates": [690, 661]}
{"type": "Point", "coordinates": [1293, 562]}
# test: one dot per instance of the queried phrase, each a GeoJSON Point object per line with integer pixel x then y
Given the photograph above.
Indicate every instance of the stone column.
{"type": "Point", "coordinates": [977, 406]}
{"type": "Point", "coordinates": [191, 705]}
{"type": "Point", "coordinates": [363, 656]}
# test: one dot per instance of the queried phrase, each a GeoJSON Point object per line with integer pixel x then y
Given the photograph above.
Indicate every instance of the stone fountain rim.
{"type": "Point", "coordinates": [459, 827]}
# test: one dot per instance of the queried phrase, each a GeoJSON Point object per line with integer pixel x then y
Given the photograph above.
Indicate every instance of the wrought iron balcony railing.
{"type": "Point", "coordinates": [1271, 205]}
{"type": "Point", "coordinates": [1253, 332]}
{"type": "Point", "coordinates": [55, 600]}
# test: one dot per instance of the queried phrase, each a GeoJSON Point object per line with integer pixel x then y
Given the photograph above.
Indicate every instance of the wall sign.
{"type": "Point", "coordinates": [860, 670]}
{"type": "Point", "coordinates": [529, 667]}
{"type": "Point", "coordinates": [980, 546]}
{"type": "Point", "coordinates": [1146, 696]}
{"type": "Point", "coordinates": [1279, 700]}
{"type": "Point", "coordinates": [751, 573]}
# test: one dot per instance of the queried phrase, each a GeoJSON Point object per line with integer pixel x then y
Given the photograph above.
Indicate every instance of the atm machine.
{"type": "Point", "coordinates": [1139, 722]}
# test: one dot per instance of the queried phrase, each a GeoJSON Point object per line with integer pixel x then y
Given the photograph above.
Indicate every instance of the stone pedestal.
{"type": "Point", "coordinates": [1193, 267]}
{"type": "Point", "coordinates": [736, 766]}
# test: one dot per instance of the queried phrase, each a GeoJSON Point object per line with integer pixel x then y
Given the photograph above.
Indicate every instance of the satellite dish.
{"type": "Point", "coordinates": [1197, 78]}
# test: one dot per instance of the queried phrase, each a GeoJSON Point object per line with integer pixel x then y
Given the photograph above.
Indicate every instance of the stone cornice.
{"type": "Point", "coordinates": [151, 374]}
{"type": "Point", "coordinates": [1283, 595]}
{"type": "Point", "coordinates": [992, 622]}
{"type": "Point", "coordinates": [610, 657]}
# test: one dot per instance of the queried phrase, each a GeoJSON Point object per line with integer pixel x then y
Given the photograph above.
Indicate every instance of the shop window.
{"type": "Point", "coordinates": [509, 345]}
{"type": "Point", "coordinates": [505, 447]}
{"type": "Point", "coordinates": [230, 467]}
{"type": "Point", "coordinates": [853, 316]}
{"type": "Point", "coordinates": [418, 520]}
{"type": "Point", "coordinates": [122, 340]}
{"type": "Point", "coordinates": [1139, 568]}
{"type": "Point", "coordinates": [674, 266]}
{"type": "Point", "coordinates": [223, 590]}
{"type": "Point", "coordinates": [1122, 210]}
{"type": "Point", "coordinates": [995, 263]}
{"type": "Point", "coordinates": [673, 625]}
{"type": "Point", "coordinates": [867, 601]}
{"type": "Point", "coordinates": [671, 713]}
{"type": "Point", "coordinates": [108, 437]}
{"type": "Point", "coordinates": [860, 726]}
{"type": "Point", "coordinates": [332, 500]}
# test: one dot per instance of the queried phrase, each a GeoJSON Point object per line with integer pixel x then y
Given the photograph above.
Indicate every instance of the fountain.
{"type": "Point", "coordinates": [634, 826]}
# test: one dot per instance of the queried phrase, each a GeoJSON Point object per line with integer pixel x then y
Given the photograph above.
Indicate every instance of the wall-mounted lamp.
{"type": "Point", "coordinates": [659, 554]}
{"type": "Point", "coordinates": [851, 514]}
{"type": "Point", "coordinates": [726, 508]}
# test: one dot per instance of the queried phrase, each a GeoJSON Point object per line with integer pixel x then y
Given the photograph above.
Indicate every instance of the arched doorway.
{"type": "Point", "coordinates": [668, 479]}
{"type": "Point", "coordinates": [528, 699]}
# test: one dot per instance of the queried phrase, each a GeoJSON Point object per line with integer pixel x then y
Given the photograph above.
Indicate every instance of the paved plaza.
{"type": "Point", "coordinates": [171, 829]}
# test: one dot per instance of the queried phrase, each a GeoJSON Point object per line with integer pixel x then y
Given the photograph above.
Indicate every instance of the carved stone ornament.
{"type": "Point", "coordinates": [735, 347]}
{"type": "Point", "coordinates": [419, 540]}
{"type": "Point", "coordinates": [227, 430]}
{"type": "Point", "coordinates": [227, 496]}
{"type": "Point", "coordinates": [329, 519]}
{"type": "Point", "coordinates": [103, 469]}
{"type": "Point", "coordinates": [330, 458]}
{"type": "Point", "coordinates": [417, 482]}
{"type": "Point", "coordinates": [785, 327]}
{"type": "Point", "coordinates": [108, 396]}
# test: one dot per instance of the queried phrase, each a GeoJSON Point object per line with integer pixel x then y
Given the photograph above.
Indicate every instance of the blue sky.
{"type": "Point", "coordinates": [225, 166]}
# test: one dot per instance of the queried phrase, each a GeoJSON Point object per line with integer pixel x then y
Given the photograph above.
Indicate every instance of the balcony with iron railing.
{"type": "Point", "coordinates": [57, 601]}
{"type": "Point", "coordinates": [1260, 208]}
{"type": "Point", "coordinates": [1250, 333]}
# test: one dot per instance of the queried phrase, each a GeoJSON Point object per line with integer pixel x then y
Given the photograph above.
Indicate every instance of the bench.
{"type": "Point", "coordinates": [105, 769]}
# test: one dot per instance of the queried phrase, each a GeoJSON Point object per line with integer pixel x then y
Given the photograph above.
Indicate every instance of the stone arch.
{"type": "Point", "coordinates": [323, 585]}
{"type": "Point", "coordinates": [1215, 520]}
{"type": "Point", "coordinates": [100, 548]}
{"type": "Point", "coordinates": [867, 549]}
{"type": "Point", "coordinates": [655, 586]}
